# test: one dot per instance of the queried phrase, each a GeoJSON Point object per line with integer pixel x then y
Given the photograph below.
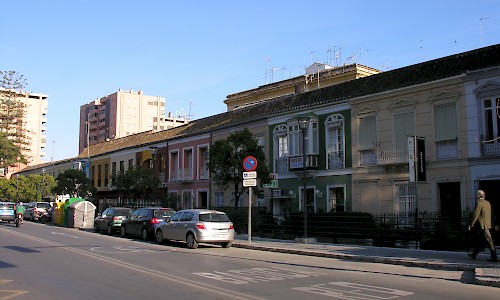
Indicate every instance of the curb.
{"type": "Point", "coordinates": [487, 276]}
{"type": "Point", "coordinates": [372, 259]}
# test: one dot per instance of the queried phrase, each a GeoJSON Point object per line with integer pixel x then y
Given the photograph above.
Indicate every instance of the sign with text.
{"type": "Point", "coordinates": [249, 175]}
{"type": "Point", "coordinates": [249, 182]}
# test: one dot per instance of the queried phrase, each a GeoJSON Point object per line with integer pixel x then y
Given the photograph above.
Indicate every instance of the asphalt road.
{"type": "Point", "coordinates": [40, 261]}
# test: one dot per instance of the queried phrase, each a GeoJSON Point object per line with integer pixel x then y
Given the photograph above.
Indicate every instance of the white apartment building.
{"type": "Point", "coordinates": [123, 113]}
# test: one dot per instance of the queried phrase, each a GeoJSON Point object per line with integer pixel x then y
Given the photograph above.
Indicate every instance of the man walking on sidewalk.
{"type": "Point", "coordinates": [482, 214]}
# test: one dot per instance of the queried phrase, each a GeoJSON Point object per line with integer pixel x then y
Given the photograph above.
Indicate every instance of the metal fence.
{"type": "Point", "coordinates": [421, 230]}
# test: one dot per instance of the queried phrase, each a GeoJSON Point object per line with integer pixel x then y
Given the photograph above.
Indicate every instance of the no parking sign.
{"type": "Point", "coordinates": [249, 163]}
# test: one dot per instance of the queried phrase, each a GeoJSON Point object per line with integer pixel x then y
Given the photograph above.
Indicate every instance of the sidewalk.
{"type": "Point", "coordinates": [486, 273]}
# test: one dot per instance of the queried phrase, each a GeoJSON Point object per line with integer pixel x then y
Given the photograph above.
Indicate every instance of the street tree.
{"type": "Point", "coordinates": [226, 161]}
{"type": "Point", "coordinates": [14, 138]}
{"type": "Point", "coordinates": [26, 188]}
{"type": "Point", "coordinates": [75, 183]}
{"type": "Point", "coordinates": [136, 183]}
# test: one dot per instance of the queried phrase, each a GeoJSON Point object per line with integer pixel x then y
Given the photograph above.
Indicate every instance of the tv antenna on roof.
{"type": "Point", "coordinates": [481, 27]}
{"type": "Point", "coordinates": [189, 115]}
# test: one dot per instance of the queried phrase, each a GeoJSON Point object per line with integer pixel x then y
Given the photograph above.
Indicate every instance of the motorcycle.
{"type": "Point", "coordinates": [19, 220]}
{"type": "Point", "coordinates": [45, 217]}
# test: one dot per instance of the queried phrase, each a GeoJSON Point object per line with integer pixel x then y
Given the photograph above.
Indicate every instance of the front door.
{"type": "Point", "coordinates": [451, 208]}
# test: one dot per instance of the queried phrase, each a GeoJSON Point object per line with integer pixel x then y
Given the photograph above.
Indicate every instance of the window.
{"type": "Point", "coordinates": [491, 130]}
{"type": "Point", "coordinates": [106, 172]}
{"type": "Point", "coordinates": [219, 199]}
{"type": "Point", "coordinates": [186, 217]}
{"type": "Point", "coordinates": [404, 127]}
{"type": "Point", "coordinates": [130, 163]}
{"type": "Point", "coordinates": [404, 203]}
{"type": "Point", "coordinates": [280, 149]}
{"type": "Point", "coordinates": [99, 174]}
{"type": "Point", "coordinates": [174, 166]}
{"type": "Point", "coordinates": [122, 167]}
{"type": "Point", "coordinates": [311, 139]}
{"type": "Point", "coordinates": [175, 217]}
{"type": "Point", "coordinates": [203, 162]}
{"type": "Point", "coordinates": [367, 141]}
{"type": "Point", "coordinates": [336, 199]}
{"type": "Point", "coordinates": [334, 125]}
{"type": "Point", "coordinates": [113, 168]}
{"type": "Point", "coordinates": [162, 163]}
{"type": "Point", "coordinates": [188, 164]}
{"type": "Point", "coordinates": [445, 127]}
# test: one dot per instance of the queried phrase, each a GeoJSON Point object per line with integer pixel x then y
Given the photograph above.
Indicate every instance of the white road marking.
{"type": "Point", "coordinates": [65, 234]}
{"type": "Point", "coordinates": [254, 275]}
{"type": "Point", "coordinates": [124, 249]}
{"type": "Point", "coordinates": [353, 291]}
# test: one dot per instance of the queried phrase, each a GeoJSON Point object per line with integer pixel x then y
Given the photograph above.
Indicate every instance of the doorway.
{"type": "Point", "coordinates": [451, 207]}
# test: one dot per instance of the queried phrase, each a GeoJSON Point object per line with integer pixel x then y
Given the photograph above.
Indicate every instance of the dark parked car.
{"type": "Point", "coordinates": [111, 219]}
{"type": "Point", "coordinates": [142, 220]}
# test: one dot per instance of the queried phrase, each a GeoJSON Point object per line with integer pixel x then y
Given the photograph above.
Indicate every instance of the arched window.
{"type": "Point", "coordinates": [280, 137]}
{"type": "Point", "coordinates": [335, 143]}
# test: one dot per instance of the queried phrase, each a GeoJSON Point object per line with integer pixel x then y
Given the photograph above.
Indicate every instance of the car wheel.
{"type": "Point", "coordinates": [123, 232]}
{"type": "Point", "coordinates": [109, 229]}
{"type": "Point", "coordinates": [96, 229]}
{"type": "Point", "coordinates": [144, 233]}
{"type": "Point", "coordinates": [159, 237]}
{"type": "Point", "coordinates": [191, 241]}
{"type": "Point", "coordinates": [226, 245]}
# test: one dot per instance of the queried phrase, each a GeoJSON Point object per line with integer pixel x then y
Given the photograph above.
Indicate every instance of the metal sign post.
{"type": "Point", "coordinates": [249, 180]}
{"type": "Point", "coordinates": [250, 215]}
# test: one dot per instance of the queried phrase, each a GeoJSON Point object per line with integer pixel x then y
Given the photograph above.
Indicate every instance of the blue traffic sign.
{"type": "Point", "coordinates": [249, 163]}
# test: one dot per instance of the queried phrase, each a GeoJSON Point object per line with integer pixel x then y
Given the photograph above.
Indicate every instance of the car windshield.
{"type": "Point", "coordinates": [214, 217]}
{"type": "Point", "coordinates": [162, 213]}
{"type": "Point", "coordinates": [6, 205]}
{"type": "Point", "coordinates": [43, 205]}
{"type": "Point", "coordinates": [122, 212]}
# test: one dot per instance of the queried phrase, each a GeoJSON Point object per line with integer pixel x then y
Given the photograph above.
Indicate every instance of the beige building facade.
{"type": "Point", "coordinates": [317, 76]}
{"type": "Point", "coordinates": [34, 124]}
{"type": "Point", "coordinates": [121, 114]}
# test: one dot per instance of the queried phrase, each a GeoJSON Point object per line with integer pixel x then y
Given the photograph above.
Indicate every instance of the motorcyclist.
{"type": "Point", "coordinates": [20, 210]}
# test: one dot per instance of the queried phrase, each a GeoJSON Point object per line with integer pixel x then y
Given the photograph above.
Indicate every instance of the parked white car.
{"type": "Point", "coordinates": [194, 226]}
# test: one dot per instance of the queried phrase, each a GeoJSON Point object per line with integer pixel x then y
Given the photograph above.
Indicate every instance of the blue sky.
{"type": "Point", "coordinates": [195, 53]}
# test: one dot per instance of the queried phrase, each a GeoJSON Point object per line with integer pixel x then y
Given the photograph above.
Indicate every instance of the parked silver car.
{"type": "Point", "coordinates": [34, 210]}
{"type": "Point", "coordinates": [194, 226]}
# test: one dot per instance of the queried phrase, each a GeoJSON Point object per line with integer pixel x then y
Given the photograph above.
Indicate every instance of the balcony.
{"type": "Point", "coordinates": [390, 155]}
{"type": "Point", "coordinates": [367, 158]}
{"type": "Point", "coordinates": [335, 160]}
{"type": "Point", "coordinates": [296, 164]}
{"type": "Point", "coordinates": [384, 155]}
{"type": "Point", "coordinates": [182, 175]}
{"type": "Point", "coordinates": [203, 173]}
{"type": "Point", "coordinates": [490, 148]}
{"type": "Point", "coordinates": [447, 149]}
{"type": "Point", "coordinates": [281, 165]}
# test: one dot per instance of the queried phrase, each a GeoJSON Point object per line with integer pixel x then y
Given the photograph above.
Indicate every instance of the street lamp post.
{"type": "Point", "coordinates": [154, 149]}
{"type": "Point", "coordinates": [43, 182]}
{"type": "Point", "coordinates": [304, 125]}
{"type": "Point", "coordinates": [17, 188]}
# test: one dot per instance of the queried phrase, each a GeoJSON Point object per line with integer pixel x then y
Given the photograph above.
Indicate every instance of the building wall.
{"type": "Point", "coordinates": [34, 122]}
{"type": "Point", "coordinates": [121, 114]}
{"type": "Point", "coordinates": [381, 182]}
{"type": "Point", "coordinates": [317, 76]}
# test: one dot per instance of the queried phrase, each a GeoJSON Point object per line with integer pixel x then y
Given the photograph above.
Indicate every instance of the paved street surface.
{"type": "Point", "coordinates": [486, 273]}
{"type": "Point", "coordinates": [40, 261]}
